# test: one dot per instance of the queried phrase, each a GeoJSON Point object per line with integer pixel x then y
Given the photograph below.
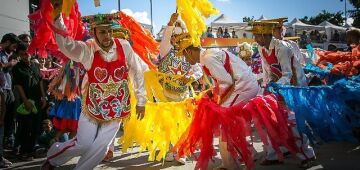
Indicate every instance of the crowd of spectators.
{"type": "Point", "coordinates": [25, 129]}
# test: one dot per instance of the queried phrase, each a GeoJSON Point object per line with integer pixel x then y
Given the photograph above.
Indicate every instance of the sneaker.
{"type": "Point", "coordinates": [169, 157]}
{"type": "Point", "coordinates": [287, 154]}
{"type": "Point", "coordinates": [7, 162]}
{"type": "Point", "coordinates": [40, 152]}
{"type": "Point", "coordinates": [4, 163]}
{"type": "Point", "coordinates": [181, 161]}
{"type": "Point", "coordinates": [109, 156]}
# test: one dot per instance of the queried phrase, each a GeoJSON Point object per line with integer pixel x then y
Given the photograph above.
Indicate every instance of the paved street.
{"type": "Point", "coordinates": [331, 156]}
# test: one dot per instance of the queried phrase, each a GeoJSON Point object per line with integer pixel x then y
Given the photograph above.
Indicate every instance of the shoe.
{"type": "Point", "coordinates": [109, 156]}
{"type": "Point", "coordinates": [271, 162]}
{"type": "Point", "coordinates": [7, 162]}
{"type": "Point", "coordinates": [40, 152]}
{"type": "Point", "coordinates": [286, 154]}
{"type": "Point", "coordinates": [169, 157]}
{"type": "Point", "coordinates": [47, 166]}
{"type": "Point", "coordinates": [4, 163]}
{"type": "Point", "coordinates": [308, 163]}
{"type": "Point", "coordinates": [181, 161]}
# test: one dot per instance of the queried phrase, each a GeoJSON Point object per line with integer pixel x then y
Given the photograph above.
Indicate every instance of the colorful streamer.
{"type": "Point", "coordinates": [162, 126]}
{"type": "Point", "coordinates": [193, 12]}
{"type": "Point", "coordinates": [43, 41]}
{"type": "Point", "coordinates": [143, 42]}
{"type": "Point", "coordinates": [328, 112]}
{"type": "Point", "coordinates": [233, 123]}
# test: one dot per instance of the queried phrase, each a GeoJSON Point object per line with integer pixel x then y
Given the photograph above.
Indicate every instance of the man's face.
{"type": "Point", "coordinates": [277, 33]}
{"type": "Point", "coordinates": [24, 56]}
{"type": "Point", "coordinates": [9, 48]}
{"type": "Point", "coordinates": [260, 39]}
{"type": "Point", "coordinates": [26, 40]}
{"type": "Point", "coordinates": [104, 36]}
{"type": "Point", "coordinates": [192, 55]}
{"type": "Point", "coordinates": [47, 127]}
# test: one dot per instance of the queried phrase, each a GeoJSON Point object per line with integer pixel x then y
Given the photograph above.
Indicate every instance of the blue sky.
{"type": "Point", "coordinates": [234, 9]}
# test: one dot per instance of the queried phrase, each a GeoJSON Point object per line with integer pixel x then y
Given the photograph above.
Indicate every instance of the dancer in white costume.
{"type": "Point", "coordinates": [281, 66]}
{"type": "Point", "coordinates": [108, 61]}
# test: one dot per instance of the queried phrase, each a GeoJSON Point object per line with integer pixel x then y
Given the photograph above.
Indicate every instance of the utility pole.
{"type": "Point", "coordinates": [345, 12]}
{"type": "Point", "coordinates": [151, 17]}
{"type": "Point", "coordinates": [119, 5]}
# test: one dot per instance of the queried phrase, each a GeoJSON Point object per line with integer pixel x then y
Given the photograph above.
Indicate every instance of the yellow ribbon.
{"type": "Point", "coordinates": [162, 126]}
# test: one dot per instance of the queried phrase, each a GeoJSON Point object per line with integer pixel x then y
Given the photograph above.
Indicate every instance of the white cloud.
{"type": "Point", "coordinates": [141, 17]}
{"type": "Point", "coordinates": [350, 21]}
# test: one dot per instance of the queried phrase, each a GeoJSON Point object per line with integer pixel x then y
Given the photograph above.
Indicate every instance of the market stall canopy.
{"type": "Point", "coordinates": [327, 25]}
{"type": "Point", "coordinates": [297, 24]}
{"type": "Point", "coordinates": [224, 21]}
{"type": "Point", "coordinates": [262, 18]}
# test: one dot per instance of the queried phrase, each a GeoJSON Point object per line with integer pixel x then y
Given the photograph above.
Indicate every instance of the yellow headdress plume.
{"type": "Point", "coordinates": [193, 13]}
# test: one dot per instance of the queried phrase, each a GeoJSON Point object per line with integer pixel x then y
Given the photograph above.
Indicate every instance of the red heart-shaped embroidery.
{"type": "Point", "coordinates": [119, 72]}
{"type": "Point", "coordinates": [100, 74]}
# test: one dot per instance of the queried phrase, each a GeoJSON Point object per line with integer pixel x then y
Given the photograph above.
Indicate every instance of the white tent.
{"type": "Point", "coordinates": [329, 25]}
{"type": "Point", "coordinates": [233, 25]}
{"type": "Point", "coordinates": [297, 24]}
{"type": "Point", "coordinates": [261, 18]}
{"type": "Point", "coordinates": [330, 29]}
{"type": "Point", "coordinates": [224, 21]}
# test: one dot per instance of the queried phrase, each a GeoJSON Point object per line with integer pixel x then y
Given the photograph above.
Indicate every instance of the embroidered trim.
{"type": "Point", "coordinates": [92, 117]}
{"type": "Point", "coordinates": [100, 74]}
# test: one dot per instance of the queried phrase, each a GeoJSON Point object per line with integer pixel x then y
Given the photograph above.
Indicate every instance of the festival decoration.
{"type": "Point", "coordinates": [344, 63]}
{"type": "Point", "coordinates": [162, 126]}
{"type": "Point", "coordinates": [43, 41]}
{"type": "Point", "coordinates": [328, 112]}
{"type": "Point", "coordinates": [143, 42]}
{"type": "Point", "coordinates": [233, 123]}
{"type": "Point", "coordinates": [193, 12]}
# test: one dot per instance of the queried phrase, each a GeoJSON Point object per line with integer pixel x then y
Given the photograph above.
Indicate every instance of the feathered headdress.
{"type": "Point", "coordinates": [193, 13]}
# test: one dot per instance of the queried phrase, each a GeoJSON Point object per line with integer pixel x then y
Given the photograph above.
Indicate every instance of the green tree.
{"type": "Point", "coordinates": [248, 19]}
{"type": "Point", "coordinates": [334, 18]}
{"type": "Point", "coordinates": [355, 13]}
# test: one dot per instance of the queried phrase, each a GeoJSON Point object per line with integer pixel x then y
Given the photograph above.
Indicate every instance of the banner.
{"type": "Point", "coordinates": [224, 42]}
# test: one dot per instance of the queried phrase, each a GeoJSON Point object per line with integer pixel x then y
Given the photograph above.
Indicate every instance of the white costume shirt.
{"type": "Point", "coordinates": [246, 85]}
{"type": "Point", "coordinates": [284, 54]}
{"type": "Point", "coordinates": [83, 52]}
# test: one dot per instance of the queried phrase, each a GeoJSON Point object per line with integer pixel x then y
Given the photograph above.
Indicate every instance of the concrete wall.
{"type": "Point", "coordinates": [13, 17]}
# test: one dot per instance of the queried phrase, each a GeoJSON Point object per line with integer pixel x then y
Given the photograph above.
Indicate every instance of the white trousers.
{"type": "Point", "coordinates": [228, 161]}
{"type": "Point", "coordinates": [302, 142]}
{"type": "Point", "coordinates": [91, 143]}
